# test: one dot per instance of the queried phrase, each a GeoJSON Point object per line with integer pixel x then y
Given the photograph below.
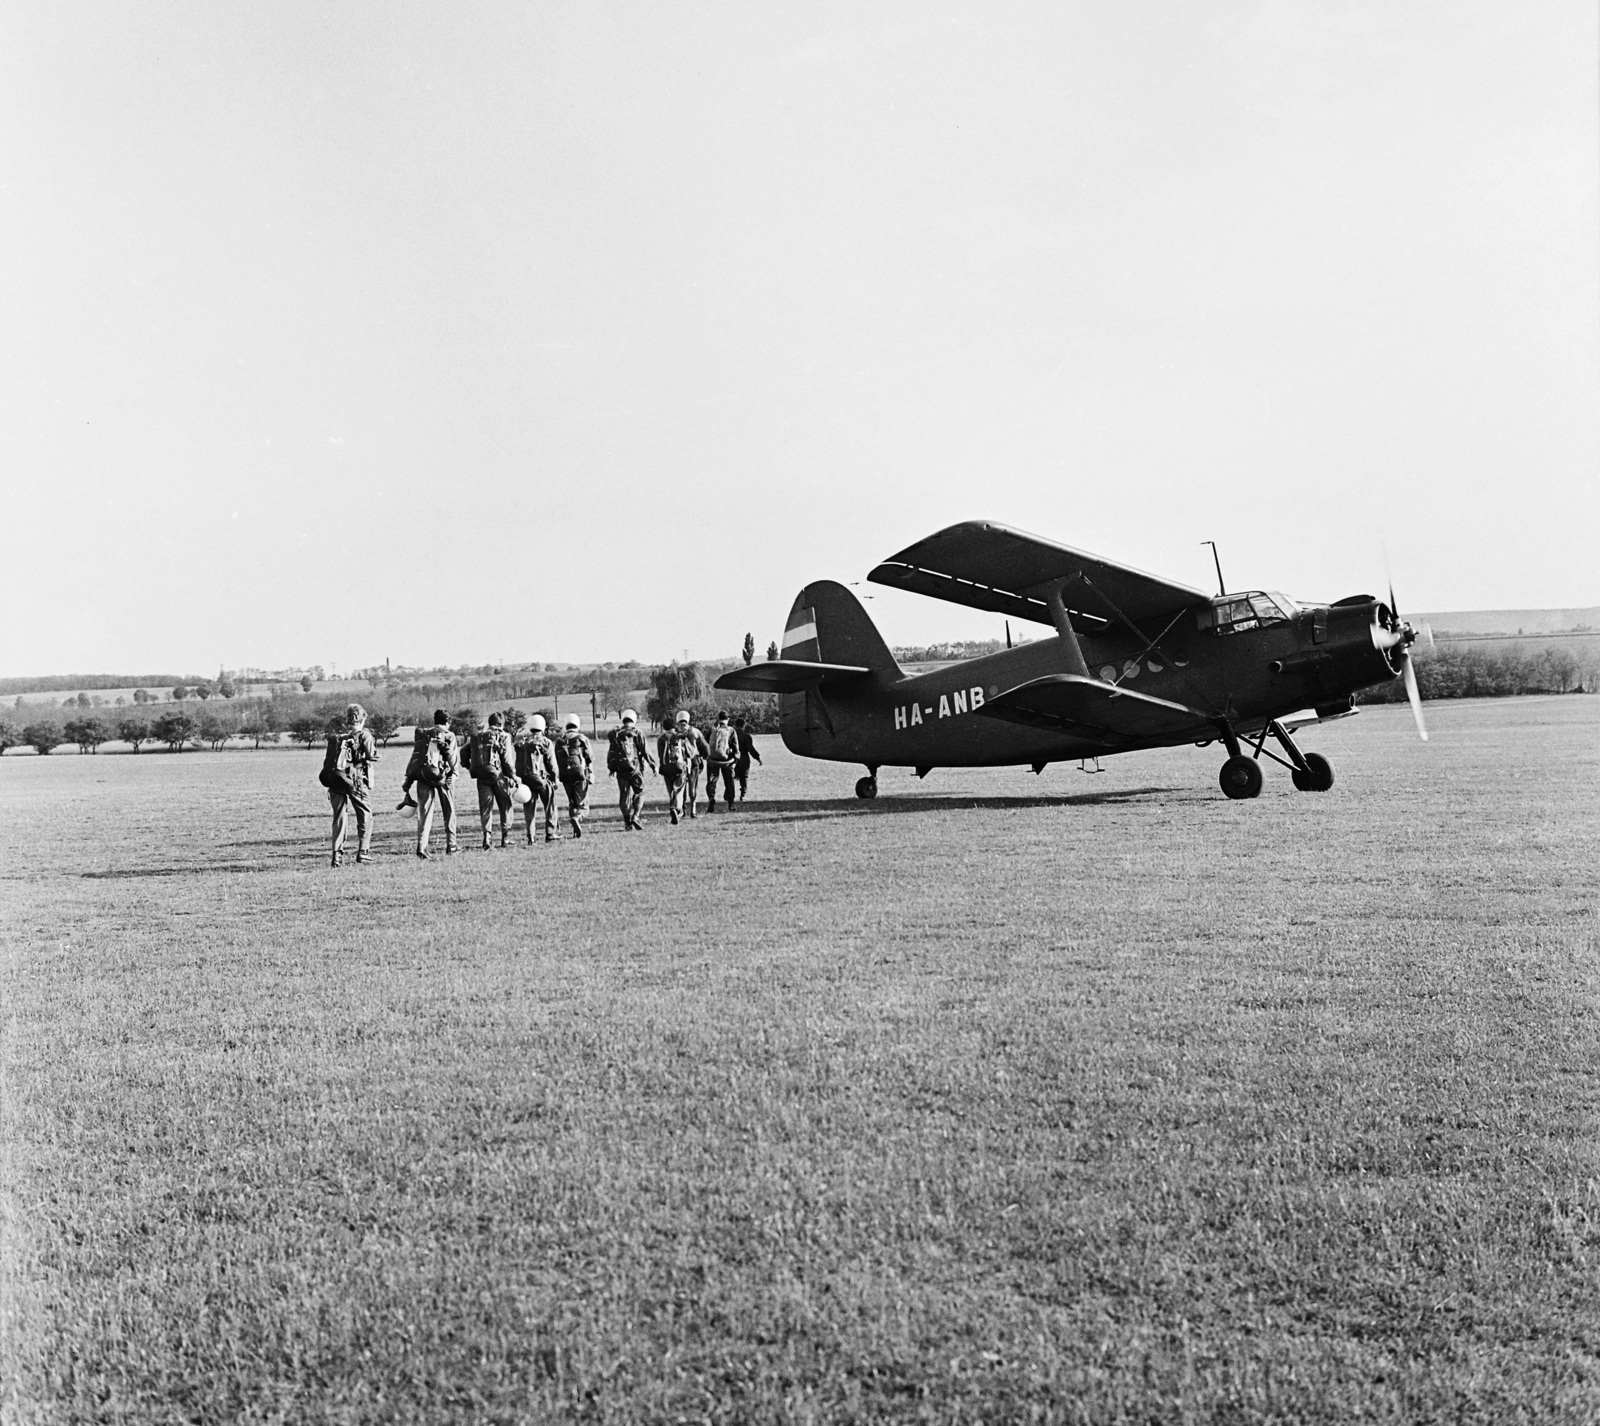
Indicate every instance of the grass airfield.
{"type": "Point", "coordinates": [1061, 1098]}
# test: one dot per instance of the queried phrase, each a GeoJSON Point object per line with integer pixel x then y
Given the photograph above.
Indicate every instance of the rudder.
{"type": "Point", "coordinates": [828, 625]}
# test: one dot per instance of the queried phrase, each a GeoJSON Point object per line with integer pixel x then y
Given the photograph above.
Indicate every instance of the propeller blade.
{"type": "Point", "coordinates": [1427, 633]}
{"type": "Point", "coordinates": [1388, 575]}
{"type": "Point", "coordinates": [1414, 696]}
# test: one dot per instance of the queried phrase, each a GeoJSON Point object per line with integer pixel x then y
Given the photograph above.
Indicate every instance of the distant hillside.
{"type": "Point", "coordinates": [75, 682]}
{"type": "Point", "coordinates": [1511, 621]}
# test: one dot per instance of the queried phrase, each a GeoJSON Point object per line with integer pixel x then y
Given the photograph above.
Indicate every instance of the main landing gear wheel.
{"type": "Point", "coordinates": [1241, 777]}
{"type": "Point", "coordinates": [867, 787]}
{"type": "Point", "coordinates": [1318, 776]}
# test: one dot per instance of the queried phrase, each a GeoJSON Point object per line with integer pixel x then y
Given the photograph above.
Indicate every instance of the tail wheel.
{"type": "Point", "coordinates": [1318, 776]}
{"type": "Point", "coordinates": [867, 788]}
{"type": "Point", "coordinates": [1241, 778]}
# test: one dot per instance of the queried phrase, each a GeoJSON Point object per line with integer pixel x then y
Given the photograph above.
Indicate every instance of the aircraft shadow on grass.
{"type": "Point", "coordinates": [776, 809]}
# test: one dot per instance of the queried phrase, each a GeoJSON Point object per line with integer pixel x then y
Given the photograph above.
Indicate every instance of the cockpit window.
{"type": "Point", "coordinates": [1239, 612]}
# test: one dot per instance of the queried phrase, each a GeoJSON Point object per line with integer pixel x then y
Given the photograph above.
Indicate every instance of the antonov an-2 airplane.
{"type": "Point", "coordinates": [1136, 662]}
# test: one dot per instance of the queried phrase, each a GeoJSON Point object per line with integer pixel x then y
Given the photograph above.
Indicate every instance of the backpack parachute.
{"type": "Point", "coordinates": [678, 754]}
{"type": "Point", "coordinates": [572, 758]}
{"type": "Point", "coordinates": [623, 754]}
{"type": "Point", "coordinates": [434, 762]}
{"type": "Point", "coordinates": [488, 755]}
{"type": "Point", "coordinates": [724, 744]}
{"type": "Point", "coordinates": [337, 762]}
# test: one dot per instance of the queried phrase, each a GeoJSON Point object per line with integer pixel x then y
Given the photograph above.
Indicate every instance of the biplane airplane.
{"type": "Point", "coordinates": [1136, 662]}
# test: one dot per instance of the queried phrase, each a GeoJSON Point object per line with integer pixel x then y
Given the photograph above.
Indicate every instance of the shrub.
{"type": "Point", "coordinates": [759, 710]}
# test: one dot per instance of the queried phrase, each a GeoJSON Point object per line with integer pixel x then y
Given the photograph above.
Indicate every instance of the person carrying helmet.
{"type": "Point", "coordinates": [536, 766]}
{"type": "Point", "coordinates": [681, 751]}
{"type": "Point", "coordinates": [435, 761]}
{"type": "Point", "coordinates": [347, 774]}
{"type": "Point", "coordinates": [494, 770]}
{"type": "Point", "coordinates": [721, 756]}
{"type": "Point", "coordinates": [626, 759]}
{"type": "Point", "coordinates": [575, 766]}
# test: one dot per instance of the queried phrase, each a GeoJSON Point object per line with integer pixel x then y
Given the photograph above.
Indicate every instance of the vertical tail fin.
{"type": "Point", "coordinates": [828, 625]}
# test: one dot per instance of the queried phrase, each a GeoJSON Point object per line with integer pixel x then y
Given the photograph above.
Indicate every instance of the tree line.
{"type": "Point", "coordinates": [1463, 670]}
{"type": "Point", "coordinates": [266, 722]}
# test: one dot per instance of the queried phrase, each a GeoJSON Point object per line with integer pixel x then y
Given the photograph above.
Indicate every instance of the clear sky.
{"type": "Point", "coordinates": [333, 333]}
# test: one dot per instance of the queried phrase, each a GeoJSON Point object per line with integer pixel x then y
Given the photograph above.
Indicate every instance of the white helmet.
{"type": "Point", "coordinates": [536, 723]}
{"type": "Point", "coordinates": [629, 716]}
{"type": "Point", "coordinates": [683, 717]}
{"type": "Point", "coordinates": [573, 721]}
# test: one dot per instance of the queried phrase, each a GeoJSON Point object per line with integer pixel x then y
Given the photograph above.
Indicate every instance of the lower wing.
{"type": "Point", "coordinates": [1086, 707]}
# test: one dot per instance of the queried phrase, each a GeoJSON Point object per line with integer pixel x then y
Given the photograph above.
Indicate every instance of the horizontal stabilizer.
{"type": "Point", "coordinates": [787, 676]}
{"type": "Point", "coordinates": [1088, 708]}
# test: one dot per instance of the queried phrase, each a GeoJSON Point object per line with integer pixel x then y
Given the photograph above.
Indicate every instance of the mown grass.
{"type": "Point", "coordinates": [1074, 1098]}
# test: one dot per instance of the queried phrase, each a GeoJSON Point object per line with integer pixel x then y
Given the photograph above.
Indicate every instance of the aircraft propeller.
{"type": "Point", "coordinates": [1403, 637]}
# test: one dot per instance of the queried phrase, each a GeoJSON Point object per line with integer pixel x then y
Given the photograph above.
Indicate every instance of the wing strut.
{"type": "Point", "coordinates": [1139, 633]}
{"type": "Point", "coordinates": [1069, 638]}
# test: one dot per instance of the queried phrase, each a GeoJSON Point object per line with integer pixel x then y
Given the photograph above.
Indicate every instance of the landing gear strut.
{"type": "Point", "coordinates": [1241, 774]}
{"type": "Point", "coordinates": [867, 787]}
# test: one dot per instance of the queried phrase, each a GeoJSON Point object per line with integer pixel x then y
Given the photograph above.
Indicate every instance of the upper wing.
{"type": "Point", "coordinates": [1006, 571]}
{"type": "Point", "coordinates": [787, 676]}
{"type": "Point", "coordinates": [1115, 716]}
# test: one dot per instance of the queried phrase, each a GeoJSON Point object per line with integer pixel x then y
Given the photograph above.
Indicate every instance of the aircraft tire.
{"type": "Point", "coordinates": [867, 788]}
{"type": "Point", "coordinates": [1241, 778]}
{"type": "Point", "coordinates": [1319, 774]}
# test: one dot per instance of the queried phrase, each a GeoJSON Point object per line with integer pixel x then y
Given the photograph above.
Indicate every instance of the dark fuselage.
{"type": "Point", "coordinates": [1316, 658]}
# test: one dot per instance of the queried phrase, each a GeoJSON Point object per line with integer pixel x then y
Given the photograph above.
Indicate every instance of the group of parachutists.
{"type": "Point", "coordinates": [525, 770]}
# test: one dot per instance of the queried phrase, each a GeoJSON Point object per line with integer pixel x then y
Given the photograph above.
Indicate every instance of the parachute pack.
{"type": "Point", "coordinates": [434, 762]}
{"type": "Point", "coordinates": [338, 762]}
{"type": "Point", "coordinates": [623, 754]}
{"type": "Point", "coordinates": [677, 756]}
{"type": "Point", "coordinates": [572, 758]}
{"type": "Point", "coordinates": [488, 755]}
{"type": "Point", "coordinates": [724, 744]}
